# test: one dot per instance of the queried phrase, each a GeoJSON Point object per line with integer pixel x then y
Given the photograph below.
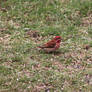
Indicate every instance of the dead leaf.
{"type": "Point", "coordinates": [87, 46]}
{"type": "Point", "coordinates": [33, 33]}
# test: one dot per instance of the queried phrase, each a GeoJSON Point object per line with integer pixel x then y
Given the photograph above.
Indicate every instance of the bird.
{"type": "Point", "coordinates": [51, 45]}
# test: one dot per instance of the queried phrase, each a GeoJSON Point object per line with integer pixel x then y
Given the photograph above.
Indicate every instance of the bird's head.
{"type": "Point", "coordinates": [58, 38]}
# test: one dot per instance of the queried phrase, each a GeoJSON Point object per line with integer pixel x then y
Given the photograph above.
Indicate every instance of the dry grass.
{"type": "Point", "coordinates": [27, 24]}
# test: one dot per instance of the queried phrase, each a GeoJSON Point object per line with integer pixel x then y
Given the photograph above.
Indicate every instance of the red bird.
{"type": "Point", "coordinates": [52, 45]}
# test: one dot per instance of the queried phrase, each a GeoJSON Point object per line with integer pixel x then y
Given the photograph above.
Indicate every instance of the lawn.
{"type": "Point", "coordinates": [26, 24]}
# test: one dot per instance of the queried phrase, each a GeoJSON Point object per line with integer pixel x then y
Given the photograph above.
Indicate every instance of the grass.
{"type": "Point", "coordinates": [25, 24]}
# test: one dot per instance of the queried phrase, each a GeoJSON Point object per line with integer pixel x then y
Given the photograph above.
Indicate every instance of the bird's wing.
{"type": "Point", "coordinates": [50, 44]}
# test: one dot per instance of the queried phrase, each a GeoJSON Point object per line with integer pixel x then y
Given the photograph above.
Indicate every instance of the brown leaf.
{"type": "Point", "coordinates": [33, 33]}
{"type": "Point", "coordinates": [87, 46]}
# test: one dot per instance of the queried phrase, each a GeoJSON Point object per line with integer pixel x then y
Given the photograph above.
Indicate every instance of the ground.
{"type": "Point", "coordinates": [26, 24]}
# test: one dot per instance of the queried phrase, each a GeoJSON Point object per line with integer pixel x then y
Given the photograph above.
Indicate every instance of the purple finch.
{"type": "Point", "coordinates": [52, 45]}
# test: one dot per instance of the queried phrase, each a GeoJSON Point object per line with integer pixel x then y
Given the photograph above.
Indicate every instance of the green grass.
{"type": "Point", "coordinates": [23, 68]}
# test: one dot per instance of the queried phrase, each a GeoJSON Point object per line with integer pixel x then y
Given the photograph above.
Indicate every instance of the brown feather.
{"type": "Point", "coordinates": [50, 44]}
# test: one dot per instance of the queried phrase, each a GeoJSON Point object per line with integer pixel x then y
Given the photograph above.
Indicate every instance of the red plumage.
{"type": "Point", "coordinates": [52, 45]}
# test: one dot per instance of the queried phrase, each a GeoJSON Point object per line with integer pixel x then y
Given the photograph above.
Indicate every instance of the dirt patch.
{"type": "Point", "coordinates": [2, 29]}
{"type": "Point", "coordinates": [59, 65]}
{"type": "Point", "coordinates": [5, 40]}
{"type": "Point", "coordinates": [87, 21]}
